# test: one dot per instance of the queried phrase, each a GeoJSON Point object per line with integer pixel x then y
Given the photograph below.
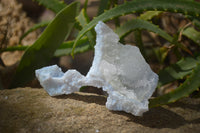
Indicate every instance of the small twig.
{"type": "Point", "coordinates": [182, 29]}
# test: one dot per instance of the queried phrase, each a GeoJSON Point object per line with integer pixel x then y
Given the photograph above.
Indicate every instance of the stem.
{"type": "Point", "coordinates": [138, 41]}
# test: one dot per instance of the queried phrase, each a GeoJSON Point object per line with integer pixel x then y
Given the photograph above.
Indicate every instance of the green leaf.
{"type": "Point", "coordinates": [14, 48]}
{"type": "Point", "coordinates": [65, 48]}
{"type": "Point", "coordinates": [85, 5]}
{"type": "Point", "coordinates": [150, 14]}
{"type": "Point", "coordinates": [192, 34]}
{"type": "Point", "coordinates": [104, 5]}
{"type": "Point", "coordinates": [40, 53]}
{"type": "Point", "coordinates": [177, 71]}
{"type": "Point", "coordinates": [134, 24]}
{"type": "Point", "coordinates": [83, 20]}
{"type": "Point", "coordinates": [161, 53]}
{"type": "Point", "coordinates": [54, 5]}
{"type": "Point", "coordinates": [138, 41]}
{"type": "Point", "coordinates": [35, 27]}
{"type": "Point", "coordinates": [196, 23]}
{"type": "Point", "coordinates": [83, 45]}
{"type": "Point", "coordinates": [180, 6]}
{"type": "Point", "coordinates": [116, 19]}
{"type": "Point", "coordinates": [79, 49]}
{"type": "Point", "coordinates": [69, 44]}
{"type": "Point", "coordinates": [191, 84]}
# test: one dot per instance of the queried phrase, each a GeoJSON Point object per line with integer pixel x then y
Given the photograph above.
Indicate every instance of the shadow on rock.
{"type": "Point", "coordinates": [101, 100]}
{"type": "Point", "coordinates": [159, 118]}
{"type": "Point", "coordinates": [193, 104]}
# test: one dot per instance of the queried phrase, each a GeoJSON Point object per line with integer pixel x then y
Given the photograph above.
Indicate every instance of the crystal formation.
{"type": "Point", "coordinates": [119, 69]}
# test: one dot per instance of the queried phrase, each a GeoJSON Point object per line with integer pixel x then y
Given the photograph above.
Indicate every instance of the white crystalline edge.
{"type": "Point", "coordinates": [118, 102]}
{"type": "Point", "coordinates": [119, 98]}
{"type": "Point", "coordinates": [118, 69]}
{"type": "Point", "coordinates": [55, 82]}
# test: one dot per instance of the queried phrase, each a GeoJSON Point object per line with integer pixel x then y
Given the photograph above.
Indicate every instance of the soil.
{"type": "Point", "coordinates": [33, 110]}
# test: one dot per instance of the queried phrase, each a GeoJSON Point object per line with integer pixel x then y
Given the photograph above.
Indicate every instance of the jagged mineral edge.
{"type": "Point", "coordinates": [119, 69]}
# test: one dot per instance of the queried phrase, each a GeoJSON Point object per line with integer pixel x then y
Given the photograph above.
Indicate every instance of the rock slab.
{"type": "Point", "coordinates": [33, 110]}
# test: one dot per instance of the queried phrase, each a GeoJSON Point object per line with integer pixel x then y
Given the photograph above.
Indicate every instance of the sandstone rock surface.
{"type": "Point", "coordinates": [33, 110]}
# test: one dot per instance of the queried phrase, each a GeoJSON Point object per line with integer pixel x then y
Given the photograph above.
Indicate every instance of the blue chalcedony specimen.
{"type": "Point", "coordinates": [119, 69]}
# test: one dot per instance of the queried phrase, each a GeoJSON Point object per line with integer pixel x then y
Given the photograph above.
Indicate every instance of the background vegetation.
{"type": "Point", "coordinates": [176, 54]}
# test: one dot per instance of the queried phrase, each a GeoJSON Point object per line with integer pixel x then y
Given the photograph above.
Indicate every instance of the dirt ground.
{"type": "Point", "coordinates": [33, 110]}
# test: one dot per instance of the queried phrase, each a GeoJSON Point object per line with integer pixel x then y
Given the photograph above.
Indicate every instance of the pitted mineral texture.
{"type": "Point", "coordinates": [119, 69]}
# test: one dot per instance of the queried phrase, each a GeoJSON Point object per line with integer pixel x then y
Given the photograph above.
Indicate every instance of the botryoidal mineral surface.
{"type": "Point", "coordinates": [118, 69]}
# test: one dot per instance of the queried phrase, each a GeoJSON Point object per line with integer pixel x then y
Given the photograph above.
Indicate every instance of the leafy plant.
{"type": "Point", "coordinates": [147, 15]}
{"type": "Point", "coordinates": [43, 49]}
{"type": "Point", "coordinates": [54, 5]}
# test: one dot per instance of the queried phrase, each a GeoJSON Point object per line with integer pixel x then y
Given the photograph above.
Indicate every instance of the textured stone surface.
{"type": "Point", "coordinates": [34, 111]}
{"type": "Point", "coordinates": [119, 69]}
{"type": "Point", "coordinates": [14, 23]}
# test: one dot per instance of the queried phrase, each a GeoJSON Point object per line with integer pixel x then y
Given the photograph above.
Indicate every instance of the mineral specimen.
{"type": "Point", "coordinates": [119, 69]}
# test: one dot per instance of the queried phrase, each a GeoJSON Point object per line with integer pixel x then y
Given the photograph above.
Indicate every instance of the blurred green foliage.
{"type": "Point", "coordinates": [53, 41]}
